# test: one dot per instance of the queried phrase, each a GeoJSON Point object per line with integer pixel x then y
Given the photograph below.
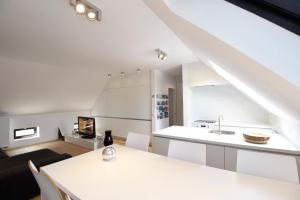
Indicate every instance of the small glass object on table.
{"type": "Point", "coordinates": [109, 153]}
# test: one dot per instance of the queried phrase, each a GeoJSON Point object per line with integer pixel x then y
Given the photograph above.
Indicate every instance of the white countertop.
{"type": "Point", "coordinates": [277, 143]}
{"type": "Point", "coordinates": [137, 175]}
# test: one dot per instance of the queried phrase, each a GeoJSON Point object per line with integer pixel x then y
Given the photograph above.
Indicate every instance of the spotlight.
{"type": "Point", "coordinates": [91, 14]}
{"type": "Point", "coordinates": [108, 75]}
{"type": "Point", "coordinates": [139, 70]}
{"type": "Point", "coordinates": [80, 8]}
{"type": "Point", "coordinates": [122, 74]}
{"type": "Point", "coordinates": [161, 55]}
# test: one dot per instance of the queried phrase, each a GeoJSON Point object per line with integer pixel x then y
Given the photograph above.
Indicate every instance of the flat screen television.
{"type": "Point", "coordinates": [87, 127]}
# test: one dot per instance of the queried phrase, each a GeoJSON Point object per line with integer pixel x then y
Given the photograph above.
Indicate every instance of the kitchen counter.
{"type": "Point", "coordinates": [277, 143]}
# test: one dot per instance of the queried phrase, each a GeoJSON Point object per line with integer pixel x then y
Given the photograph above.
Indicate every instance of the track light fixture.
{"type": "Point", "coordinates": [161, 54]}
{"type": "Point", "coordinates": [84, 7]}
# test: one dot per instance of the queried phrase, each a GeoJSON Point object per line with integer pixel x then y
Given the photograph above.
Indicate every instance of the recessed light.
{"type": "Point", "coordinates": [122, 74]}
{"type": "Point", "coordinates": [108, 75]}
{"type": "Point", "coordinates": [80, 8]}
{"type": "Point", "coordinates": [139, 70]}
{"type": "Point", "coordinates": [91, 14]}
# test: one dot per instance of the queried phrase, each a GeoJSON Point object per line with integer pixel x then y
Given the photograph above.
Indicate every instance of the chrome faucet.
{"type": "Point", "coordinates": [220, 117]}
{"type": "Point", "coordinates": [219, 131]}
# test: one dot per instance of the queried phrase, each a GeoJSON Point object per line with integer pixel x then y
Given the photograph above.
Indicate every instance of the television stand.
{"type": "Point", "coordinates": [88, 143]}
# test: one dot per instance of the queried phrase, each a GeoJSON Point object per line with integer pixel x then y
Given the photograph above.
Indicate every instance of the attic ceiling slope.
{"type": "Point", "coordinates": [272, 91]}
{"type": "Point", "coordinates": [268, 44]}
{"type": "Point", "coordinates": [30, 88]}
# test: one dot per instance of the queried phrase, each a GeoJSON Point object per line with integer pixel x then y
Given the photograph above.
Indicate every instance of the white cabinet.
{"type": "Point", "coordinates": [214, 153]}
{"type": "Point", "coordinates": [215, 156]}
{"type": "Point", "coordinates": [92, 144]}
{"type": "Point", "coordinates": [230, 158]}
{"type": "Point", "coordinates": [218, 156]}
{"type": "Point", "coordinates": [160, 146]}
{"type": "Point", "coordinates": [4, 132]}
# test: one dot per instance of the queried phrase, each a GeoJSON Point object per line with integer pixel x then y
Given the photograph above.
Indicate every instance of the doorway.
{"type": "Point", "coordinates": [172, 106]}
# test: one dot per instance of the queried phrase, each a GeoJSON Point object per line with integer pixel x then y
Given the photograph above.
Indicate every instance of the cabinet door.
{"type": "Point", "coordinates": [215, 156]}
{"type": "Point", "coordinates": [160, 145]}
{"type": "Point", "coordinates": [298, 165]}
{"type": "Point", "coordinates": [230, 158]}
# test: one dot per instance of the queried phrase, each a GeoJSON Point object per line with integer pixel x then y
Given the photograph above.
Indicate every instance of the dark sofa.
{"type": "Point", "coordinates": [16, 180]}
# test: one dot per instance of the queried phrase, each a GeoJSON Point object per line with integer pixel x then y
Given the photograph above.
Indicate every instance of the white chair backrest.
{"type": "Point", "coordinates": [188, 151]}
{"type": "Point", "coordinates": [268, 165]}
{"type": "Point", "coordinates": [138, 141]}
{"type": "Point", "coordinates": [48, 189]}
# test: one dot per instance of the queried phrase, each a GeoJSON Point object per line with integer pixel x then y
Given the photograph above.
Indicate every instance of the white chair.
{"type": "Point", "coordinates": [187, 151]}
{"type": "Point", "coordinates": [268, 165]}
{"type": "Point", "coordinates": [138, 141]}
{"type": "Point", "coordinates": [48, 189]}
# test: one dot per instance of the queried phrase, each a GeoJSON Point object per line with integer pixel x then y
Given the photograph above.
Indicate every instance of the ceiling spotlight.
{"type": "Point", "coordinates": [139, 70]}
{"type": "Point", "coordinates": [122, 74]}
{"type": "Point", "coordinates": [83, 7]}
{"type": "Point", "coordinates": [161, 55]}
{"type": "Point", "coordinates": [108, 75]}
{"type": "Point", "coordinates": [91, 14]}
{"type": "Point", "coordinates": [80, 8]}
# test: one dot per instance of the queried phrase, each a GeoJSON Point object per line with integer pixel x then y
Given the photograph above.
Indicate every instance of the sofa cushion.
{"type": "Point", "coordinates": [22, 159]}
{"type": "Point", "coordinates": [42, 153]}
{"type": "Point", "coordinates": [3, 154]}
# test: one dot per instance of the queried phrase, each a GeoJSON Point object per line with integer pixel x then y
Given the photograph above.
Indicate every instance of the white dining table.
{"type": "Point", "coordinates": [138, 175]}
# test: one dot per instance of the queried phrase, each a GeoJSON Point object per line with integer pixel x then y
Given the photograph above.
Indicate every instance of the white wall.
{"type": "Point", "coordinates": [4, 131]}
{"type": "Point", "coordinates": [128, 97]}
{"type": "Point", "coordinates": [121, 127]}
{"type": "Point", "coordinates": [215, 96]}
{"type": "Point", "coordinates": [289, 129]}
{"type": "Point", "coordinates": [48, 126]}
{"type": "Point", "coordinates": [161, 82]}
{"type": "Point", "coordinates": [198, 74]}
{"type": "Point", "coordinates": [31, 88]}
{"type": "Point", "coordinates": [207, 102]}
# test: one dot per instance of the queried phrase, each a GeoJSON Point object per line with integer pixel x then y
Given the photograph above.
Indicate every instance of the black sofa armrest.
{"type": "Point", "coordinates": [17, 182]}
{"type": "Point", "coordinates": [3, 154]}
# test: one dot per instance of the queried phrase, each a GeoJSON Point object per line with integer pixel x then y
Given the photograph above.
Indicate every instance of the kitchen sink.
{"type": "Point", "coordinates": [222, 132]}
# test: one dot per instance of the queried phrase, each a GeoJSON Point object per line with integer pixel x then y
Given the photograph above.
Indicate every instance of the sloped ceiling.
{"type": "Point", "coordinates": [52, 59]}
{"type": "Point", "coordinates": [261, 62]}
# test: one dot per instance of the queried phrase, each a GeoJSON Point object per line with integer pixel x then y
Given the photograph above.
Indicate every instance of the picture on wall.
{"type": "Point", "coordinates": [162, 108]}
